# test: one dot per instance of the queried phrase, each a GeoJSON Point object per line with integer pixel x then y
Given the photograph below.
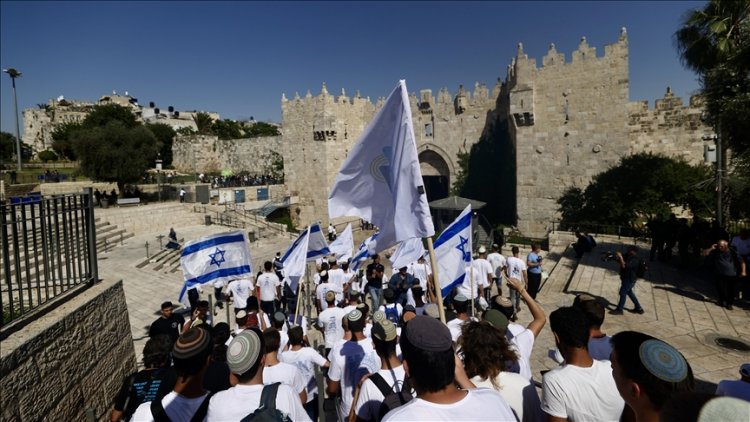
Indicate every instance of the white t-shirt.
{"type": "Point", "coordinates": [582, 394]}
{"type": "Point", "coordinates": [177, 408]}
{"type": "Point", "coordinates": [370, 398]}
{"type": "Point", "coordinates": [291, 323]}
{"type": "Point", "coordinates": [240, 290]}
{"type": "Point", "coordinates": [267, 283]}
{"type": "Point", "coordinates": [324, 288]}
{"type": "Point", "coordinates": [523, 344]}
{"type": "Point", "coordinates": [480, 404]}
{"type": "Point", "coordinates": [304, 359]}
{"type": "Point", "coordinates": [734, 388]}
{"type": "Point", "coordinates": [518, 392]}
{"type": "Point", "coordinates": [516, 267]}
{"type": "Point", "coordinates": [284, 339]}
{"type": "Point", "coordinates": [285, 373]}
{"type": "Point", "coordinates": [241, 400]}
{"type": "Point", "coordinates": [497, 261]}
{"type": "Point", "coordinates": [480, 280]}
{"type": "Point", "coordinates": [330, 321]}
{"type": "Point", "coordinates": [421, 272]}
{"type": "Point", "coordinates": [338, 277]}
{"type": "Point", "coordinates": [483, 266]}
{"type": "Point", "coordinates": [455, 325]}
{"type": "Point", "coordinates": [354, 360]}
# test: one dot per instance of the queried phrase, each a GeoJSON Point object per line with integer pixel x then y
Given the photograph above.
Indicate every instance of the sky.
{"type": "Point", "coordinates": [237, 58]}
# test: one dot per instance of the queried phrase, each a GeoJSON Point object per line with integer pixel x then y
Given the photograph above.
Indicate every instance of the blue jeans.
{"type": "Point", "coordinates": [375, 294]}
{"type": "Point", "coordinates": [626, 289]}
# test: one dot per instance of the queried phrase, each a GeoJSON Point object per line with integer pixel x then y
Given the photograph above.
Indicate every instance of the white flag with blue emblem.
{"type": "Point", "coordinates": [380, 180]}
{"type": "Point", "coordinates": [343, 245]}
{"type": "Point", "coordinates": [365, 251]}
{"type": "Point", "coordinates": [408, 251]}
{"type": "Point", "coordinates": [219, 257]}
{"type": "Point", "coordinates": [453, 251]}
{"type": "Point", "coordinates": [295, 258]}
{"type": "Point", "coordinates": [317, 247]}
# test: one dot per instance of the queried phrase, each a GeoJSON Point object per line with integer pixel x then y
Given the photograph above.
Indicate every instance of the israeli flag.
{"type": "Point", "coordinates": [317, 247]}
{"type": "Point", "coordinates": [343, 244]}
{"type": "Point", "coordinates": [364, 251]}
{"type": "Point", "coordinates": [295, 258]}
{"type": "Point", "coordinates": [453, 252]}
{"type": "Point", "coordinates": [219, 257]}
{"type": "Point", "coordinates": [408, 251]}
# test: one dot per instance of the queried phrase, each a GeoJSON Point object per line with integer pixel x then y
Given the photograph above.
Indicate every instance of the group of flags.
{"type": "Point", "coordinates": [380, 182]}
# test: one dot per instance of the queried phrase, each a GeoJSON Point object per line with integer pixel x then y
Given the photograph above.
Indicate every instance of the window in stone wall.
{"type": "Point", "coordinates": [428, 130]}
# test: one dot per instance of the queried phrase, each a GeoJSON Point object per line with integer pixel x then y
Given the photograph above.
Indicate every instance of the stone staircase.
{"type": "Point", "coordinates": [151, 218]}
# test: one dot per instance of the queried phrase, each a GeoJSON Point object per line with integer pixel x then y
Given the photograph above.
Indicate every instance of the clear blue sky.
{"type": "Point", "coordinates": [237, 58]}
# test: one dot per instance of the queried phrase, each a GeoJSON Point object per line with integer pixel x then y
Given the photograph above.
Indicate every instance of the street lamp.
{"type": "Point", "coordinates": [158, 175]}
{"type": "Point", "coordinates": [13, 73]}
{"type": "Point", "coordinates": [716, 137]}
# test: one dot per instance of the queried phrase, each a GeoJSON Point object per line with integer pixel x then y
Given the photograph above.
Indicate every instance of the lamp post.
{"type": "Point", "coordinates": [158, 175]}
{"type": "Point", "coordinates": [13, 73]}
{"type": "Point", "coordinates": [716, 137]}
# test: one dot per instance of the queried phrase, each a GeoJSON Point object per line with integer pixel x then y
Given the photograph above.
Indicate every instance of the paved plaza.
{"type": "Point", "coordinates": [679, 305]}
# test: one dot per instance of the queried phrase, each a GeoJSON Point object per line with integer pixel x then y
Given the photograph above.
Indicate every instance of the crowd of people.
{"type": "Point", "coordinates": [390, 352]}
{"type": "Point", "coordinates": [239, 180]}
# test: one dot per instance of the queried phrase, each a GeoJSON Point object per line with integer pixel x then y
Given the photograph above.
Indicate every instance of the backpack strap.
{"type": "Point", "coordinates": [268, 396]}
{"type": "Point", "coordinates": [200, 414]}
{"type": "Point", "coordinates": [383, 386]}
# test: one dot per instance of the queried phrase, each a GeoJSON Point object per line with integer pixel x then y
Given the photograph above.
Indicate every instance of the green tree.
{"type": "Point", "coordinates": [462, 174]}
{"type": "Point", "coordinates": [47, 155]}
{"type": "Point", "coordinates": [203, 122]}
{"type": "Point", "coordinates": [261, 129]}
{"type": "Point", "coordinates": [115, 153]}
{"type": "Point", "coordinates": [7, 146]}
{"type": "Point", "coordinates": [641, 186]}
{"type": "Point", "coordinates": [227, 129]}
{"type": "Point", "coordinates": [715, 42]}
{"type": "Point", "coordinates": [165, 136]}
{"type": "Point", "coordinates": [61, 140]}
{"type": "Point", "coordinates": [102, 115]}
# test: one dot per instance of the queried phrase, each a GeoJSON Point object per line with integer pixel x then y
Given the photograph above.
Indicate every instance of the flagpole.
{"type": "Point", "coordinates": [435, 280]}
{"type": "Point", "coordinates": [473, 292]}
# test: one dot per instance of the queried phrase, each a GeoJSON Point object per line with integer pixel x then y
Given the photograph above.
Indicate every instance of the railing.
{"type": "Point", "coordinates": [48, 252]}
{"type": "Point", "coordinates": [594, 228]}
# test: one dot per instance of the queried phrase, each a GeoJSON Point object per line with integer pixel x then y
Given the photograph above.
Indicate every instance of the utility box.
{"type": "Point", "coordinates": [202, 194]}
{"type": "Point", "coordinates": [239, 196]}
{"type": "Point", "coordinates": [709, 153]}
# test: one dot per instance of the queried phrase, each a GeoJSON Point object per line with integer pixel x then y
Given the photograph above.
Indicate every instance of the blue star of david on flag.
{"type": "Point", "coordinates": [462, 247]}
{"type": "Point", "coordinates": [217, 258]}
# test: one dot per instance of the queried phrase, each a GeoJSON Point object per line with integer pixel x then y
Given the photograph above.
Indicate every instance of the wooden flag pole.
{"type": "Point", "coordinates": [299, 295]}
{"type": "Point", "coordinates": [473, 292]}
{"type": "Point", "coordinates": [435, 280]}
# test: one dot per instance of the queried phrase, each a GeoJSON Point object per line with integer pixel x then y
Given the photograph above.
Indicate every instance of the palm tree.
{"type": "Point", "coordinates": [203, 122]}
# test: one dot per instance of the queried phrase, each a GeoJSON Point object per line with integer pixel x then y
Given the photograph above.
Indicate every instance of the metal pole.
{"type": "Point", "coordinates": [18, 133]}
{"type": "Point", "coordinates": [719, 169]}
{"type": "Point", "coordinates": [91, 228]}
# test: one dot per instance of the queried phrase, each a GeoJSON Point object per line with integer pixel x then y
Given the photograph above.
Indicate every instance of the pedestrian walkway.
{"type": "Point", "coordinates": [680, 309]}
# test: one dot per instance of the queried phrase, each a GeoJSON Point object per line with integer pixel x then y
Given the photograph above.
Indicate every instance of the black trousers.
{"type": "Point", "coordinates": [725, 286]}
{"type": "Point", "coordinates": [535, 280]}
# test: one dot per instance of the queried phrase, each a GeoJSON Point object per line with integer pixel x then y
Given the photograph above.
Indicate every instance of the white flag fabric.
{"type": "Point", "coordinates": [219, 257]}
{"type": "Point", "coordinates": [317, 247]}
{"type": "Point", "coordinates": [408, 251]}
{"type": "Point", "coordinates": [295, 258]}
{"type": "Point", "coordinates": [344, 243]}
{"type": "Point", "coordinates": [365, 251]}
{"type": "Point", "coordinates": [380, 181]}
{"type": "Point", "coordinates": [453, 252]}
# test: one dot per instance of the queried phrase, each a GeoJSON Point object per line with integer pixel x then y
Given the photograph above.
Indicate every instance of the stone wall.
{"type": "Point", "coordinates": [69, 361]}
{"type": "Point", "coordinates": [204, 154]}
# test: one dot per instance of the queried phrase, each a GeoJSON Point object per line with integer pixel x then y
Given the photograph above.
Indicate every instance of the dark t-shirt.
{"type": "Point", "coordinates": [723, 263]}
{"type": "Point", "coordinates": [148, 385]}
{"type": "Point", "coordinates": [216, 377]}
{"type": "Point", "coordinates": [170, 327]}
{"type": "Point", "coordinates": [631, 267]}
{"type": "Point", "coordinates": [370, 273]}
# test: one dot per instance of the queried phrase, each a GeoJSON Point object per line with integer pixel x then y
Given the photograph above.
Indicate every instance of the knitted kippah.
{"type": "Point", "coordinates": [384, 331]}
{"type": "Point", "coordinates": [460, 298]}
{"type": "Point", "coordinates": [378, 316]}
{"type": "Point", "coordinates": [243, 352]}
{"type": "Point", "coordinates": [192, 343]}
{"type": "Point", "coordinates": [354, 315]}
{"type": "Point", "coordinates": [503, 302]}
{"type": "Point", "coordinates": [431, 310]}
{"type": "Point", "coordinates": [497, 319]}
{"type": "Point", "coordinates": [663, 361]}
{"type": "Point", "coordinates": [279, 316]}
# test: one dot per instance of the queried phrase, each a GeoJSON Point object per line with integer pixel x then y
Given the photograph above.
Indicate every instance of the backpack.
{"type": "Point", "coordinates": [642, 268]}
{"type": "Point", "coordinates": [267, 410]}
{"type": "Point", "coordinates": [391, 398]}
{"type": "Point", "coordinates": [391, 313]}
{"type": "Point", "coordinates": [160, 415]}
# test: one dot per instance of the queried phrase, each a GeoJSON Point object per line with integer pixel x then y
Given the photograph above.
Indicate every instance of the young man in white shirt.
{"type": "Point", "coordinates": [355, 359]}
{"type": "Point", "coordinates": [484, 268]}
{"type": "Point", "coordinates": [191, 354]}
{"type": "Point", "coordinates": [277, 371]}
{"type": "Point", "coordinates": [330, 321]}
{"type": "Point", "coordinates": [337, 277]}
{"type": "Point", "coordinates": [461, 306]}
{"type": "Point", "coordinates": [239, 290]}
{"type": "Point", "coordinates": [268, 288]}
{"type": "Point", "coordinates": [648, 372]}
{"type": "Point", "coordinates": [246, 360]}
{"type": "Point", "coordinates": [370, 397]}
{"type": "Point", "coordinates": [497, 260]}
{"type": "Point", "coordinates": [430, 364]}
{"type": "Point", "coordinates": [583, 389]}
{"type": "Point", "coordinates": [516, 268]}
{"type": "Point", "coordinates": [305, 359]}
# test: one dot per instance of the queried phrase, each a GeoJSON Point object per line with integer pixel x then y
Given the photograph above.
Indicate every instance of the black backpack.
{"type": "Point", "coordinates": [267, 410]}
{"type": "Point", "coordinates": [392, 399]}
{"type": "Point", "coordinates": [642, 268]}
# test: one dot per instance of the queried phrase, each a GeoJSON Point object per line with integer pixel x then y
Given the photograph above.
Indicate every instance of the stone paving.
{"type": "Point", "coordinates": [680, 306]}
